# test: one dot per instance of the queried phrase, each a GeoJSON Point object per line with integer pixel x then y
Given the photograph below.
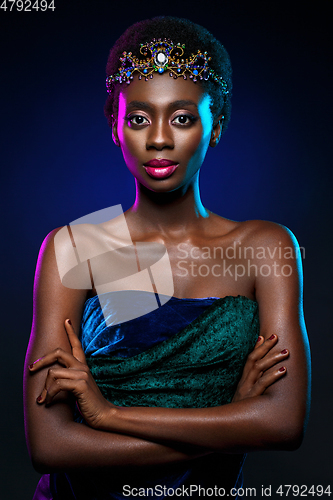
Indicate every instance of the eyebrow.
{"type": "Point", "coordinates": [173, 105]}
{"type": "Point", "coordinates": [183, 103]}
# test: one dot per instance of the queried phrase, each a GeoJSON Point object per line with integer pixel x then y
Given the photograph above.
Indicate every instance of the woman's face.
{"type": "Point", "coordinates": [163, 119]}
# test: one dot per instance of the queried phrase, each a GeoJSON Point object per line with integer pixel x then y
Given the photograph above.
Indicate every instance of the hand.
{"type": "Point", "coordinates": [255, 378]}
{"type": "Point", "coordinates": [73, 376]}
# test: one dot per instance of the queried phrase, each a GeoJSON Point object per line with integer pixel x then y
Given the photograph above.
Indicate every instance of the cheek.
{"type": "Point", "coordinates": [131, 144]}
{"type": "Point", "coordinates": [123, 135]}
{"type": "Point", "coordinates": [195, 145]}
{"type": "Point", "coordinates": [129, 141]}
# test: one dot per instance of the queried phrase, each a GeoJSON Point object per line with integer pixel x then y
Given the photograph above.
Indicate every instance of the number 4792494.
{"type": "Point", "coordinates": [27, 5]}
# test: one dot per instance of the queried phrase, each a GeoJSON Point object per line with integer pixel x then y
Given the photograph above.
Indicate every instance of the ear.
{"type": "Point", "coordinates": [216, 131]}
{"type": "Point", "coordinates": [115, 137]}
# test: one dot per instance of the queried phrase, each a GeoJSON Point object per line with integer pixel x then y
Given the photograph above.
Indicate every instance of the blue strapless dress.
{"type": "Point", "coordinates": [187, 353]}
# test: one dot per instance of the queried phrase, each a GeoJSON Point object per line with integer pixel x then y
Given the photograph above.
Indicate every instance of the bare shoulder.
{"type": "Point", "coordinates": [56, 243]}
{"type": "Point", "coordinates": [62, 255]}
{"type": "Point", "coordinates": [46, 257]}
{"type": "Point", "coordinates": [48, 242]}
{"type": "Point", "coordinates": [254, 232]}
{"type": "Point", "coordinates": [267, 234]}
{"type": "Point", "coordinates": [61, 287]}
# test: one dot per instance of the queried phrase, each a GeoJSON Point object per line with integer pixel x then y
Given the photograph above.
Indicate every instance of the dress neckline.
{"type": "Point", "coordinates": [216, 298]}
{"type": "Point", "coordinates": [189, 299]}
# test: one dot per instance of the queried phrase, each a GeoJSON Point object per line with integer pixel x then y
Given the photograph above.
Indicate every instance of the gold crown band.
{"type": "Point", "coordinates": [164, 56]}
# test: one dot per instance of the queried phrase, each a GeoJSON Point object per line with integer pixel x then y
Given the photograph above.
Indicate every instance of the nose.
{"type": "Point", "coordinates": [160, 136]}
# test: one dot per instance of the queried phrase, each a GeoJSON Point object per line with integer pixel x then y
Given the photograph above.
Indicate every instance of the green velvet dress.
{"type": "Point", "coordinates": [188, 353]}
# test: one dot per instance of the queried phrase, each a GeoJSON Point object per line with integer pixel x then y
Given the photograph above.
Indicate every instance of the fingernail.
{"type": "Point", "coordinates": [259, 338]}
{"type": "Point", "coordinates": [39, 398]}
{"type": "Point", "coordinates": [33, 364]}
{"type": "Point", "coordinates": [284, 351]}
{"type": "Point", "coordinates": [69, 322]}
{"type": "Point", "coordinates": [282, 369]}
{"type": "Point", "coordinates": [272, 337]}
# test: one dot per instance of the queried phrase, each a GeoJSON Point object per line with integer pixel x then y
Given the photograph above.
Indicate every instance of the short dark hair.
{"type": "Point", "coordinates": [195, 38]}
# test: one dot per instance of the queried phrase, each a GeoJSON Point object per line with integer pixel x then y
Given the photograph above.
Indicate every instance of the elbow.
{"type": "Point", "coordinates": [288, 435]}
{"type": "Point", "coordinates": [285, 426]}
{"type": "Point", "coordinates": [40, 465]}
{"type": "Point", "coordinates": [42, 461]}
{"type": "Point", "coordinates": [50, 451]}
{"type": "Point", "coordinates": [291, 438]}
{"type": "Point", "coordinates": [46, 458]}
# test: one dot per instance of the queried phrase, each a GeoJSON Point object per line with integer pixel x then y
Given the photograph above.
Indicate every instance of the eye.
{"type": "Point", "coordinates": [137, 120]}
{"type": "Point", "coordinates": [184, 119]}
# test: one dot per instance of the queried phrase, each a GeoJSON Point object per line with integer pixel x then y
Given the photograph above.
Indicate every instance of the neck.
{"type": "Point", "coordinates": [167, 212]}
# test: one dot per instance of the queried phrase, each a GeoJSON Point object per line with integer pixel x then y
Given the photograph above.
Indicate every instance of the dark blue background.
{"type": "Point", "coordinates": [58, 163]}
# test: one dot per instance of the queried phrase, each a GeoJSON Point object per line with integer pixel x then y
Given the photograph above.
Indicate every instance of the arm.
{"type": "Point", "coordinates": [55, 441]}
{"type": "Point", "coordinates": [272, 420]}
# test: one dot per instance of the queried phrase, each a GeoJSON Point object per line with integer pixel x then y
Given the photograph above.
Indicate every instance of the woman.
{"type": "Point", "coordinates": [164, 391]}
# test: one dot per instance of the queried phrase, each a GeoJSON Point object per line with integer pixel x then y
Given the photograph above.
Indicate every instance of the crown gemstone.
{"type": "Point", "coordinates": [161, 59]}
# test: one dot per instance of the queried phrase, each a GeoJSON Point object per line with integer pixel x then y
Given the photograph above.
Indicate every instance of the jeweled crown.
{"type": "Point", "coordinates": [164, 56]}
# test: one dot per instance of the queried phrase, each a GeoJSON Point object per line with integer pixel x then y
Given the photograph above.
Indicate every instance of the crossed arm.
{"type": "Point", "coordinates": [256, 419]}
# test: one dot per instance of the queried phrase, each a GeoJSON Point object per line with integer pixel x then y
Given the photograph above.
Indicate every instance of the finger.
{"type": "Point", "coordinates": [259, 342]}
{"type": "Point", "coordinates": [263, 348]}
{"type": "Point", "coordinates": [55, 374]}
{"type": "Point", "coordinates": [264, 364]}
{"type": "Point", "coordinates": [258, 353]}
{"type": "Point", "coordinates": [77, 387]}
{"type": "Point", "coordinates": [271, 359]}
{"type": "Point", "coordinates": [267, 345]}
{"type": "Point", "coordinates": [266, 380]}
{"type": "Point", "coordinates": [75, 343]}
{"type": "Point", "coordinates": [57, 355]}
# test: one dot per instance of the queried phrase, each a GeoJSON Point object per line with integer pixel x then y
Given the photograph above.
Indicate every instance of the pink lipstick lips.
{"type": "Point", "coordinates": [160, 168]}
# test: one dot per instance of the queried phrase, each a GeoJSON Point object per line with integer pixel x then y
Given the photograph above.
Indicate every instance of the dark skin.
{"type": "Point", "coordinates": [167, 118]}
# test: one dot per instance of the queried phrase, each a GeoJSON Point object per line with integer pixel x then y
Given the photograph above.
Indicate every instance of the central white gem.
{"type": "Point", "coordinates": [161, 58]}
